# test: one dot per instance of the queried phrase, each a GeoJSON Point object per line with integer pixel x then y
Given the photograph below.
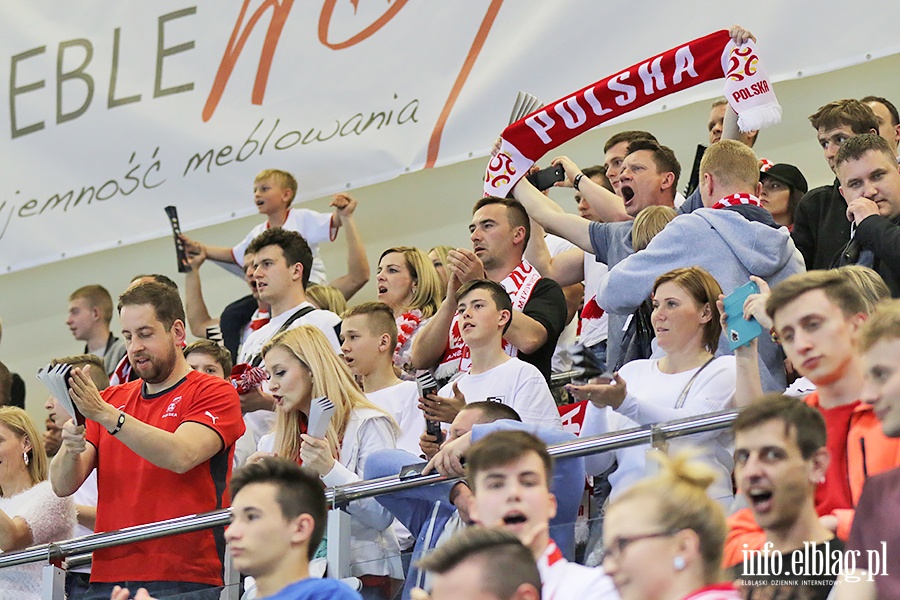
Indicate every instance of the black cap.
{"type": "Point", "coordinates": [786, 174]}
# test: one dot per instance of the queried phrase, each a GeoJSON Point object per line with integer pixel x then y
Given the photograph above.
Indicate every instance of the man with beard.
{"type": "Point", "coordinates": [162, 447]}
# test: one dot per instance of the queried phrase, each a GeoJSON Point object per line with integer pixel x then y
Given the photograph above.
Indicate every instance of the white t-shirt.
{"type": "Point", "coordinates": [315, 227]}
{"type": "Point", "coordinates": [594, 320]}
{"type": "Point", "coordinates": [651, 398]}
{"type": "Point", "coordinates": [325, 320]}
{"type": "Point", "coordinates": [401, 401]}
{"type": "Point", "coordinates": [514, 383]}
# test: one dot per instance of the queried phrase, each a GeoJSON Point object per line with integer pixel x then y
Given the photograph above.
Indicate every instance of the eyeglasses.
{"type": "Point", "coordinates": [617, 545]}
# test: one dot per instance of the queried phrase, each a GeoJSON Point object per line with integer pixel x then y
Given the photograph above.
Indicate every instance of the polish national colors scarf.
{"type": "Point", "coordinates": [711, 57]}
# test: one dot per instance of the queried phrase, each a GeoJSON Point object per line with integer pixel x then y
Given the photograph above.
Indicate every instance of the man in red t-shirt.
{"type": "Point", "coordinates": [163, 448]}
{"type": "Point", "coordinates": [817, 316]}
{"type": "Point", "coordinates": [876, 530]}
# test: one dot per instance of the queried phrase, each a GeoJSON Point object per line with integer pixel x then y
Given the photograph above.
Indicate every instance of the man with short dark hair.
{"type": "Point", "coordinates": [499, 233]}
{"type": "Point", "coordinates": [648, 177]}
{"type": "Point", "coordinates": [173, 432]}
{"type": "Point", "coordinates": [483, 563]}
{"type": "Point", "coordinates": [821, 229]}
{"type": "Point", "coordinates": [888, 119]}
{"type": "Point", "coordinates": [282, 260]}
{"type": "Point", "coordinates": [867, 169]}
{"type": "Point", "coordinates": [279, 519]}
{"type": "Point", "coordinates": [90, 312]}
{"type": "Point", "coordinates": [779, 459]}
{"type": "Point", "coordinates": [732, 237]}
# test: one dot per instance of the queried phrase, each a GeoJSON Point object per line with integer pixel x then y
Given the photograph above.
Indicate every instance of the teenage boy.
{"type": "Point", "coordinates": [368, 340]}
{"type": "Point", "coordinates": [817, 317]}
{"type": "Point", "coordinates": [433, 513]}
{"type": "Point", "coordinates": [484, 312]}
{"type": "Point", "coordinates": [876, 528]}
{"type": "Point", "coordinates": [779, 460]}
{"type": "Point", "coordinates": [273, 193]}
{"type": "Point", "coordinates": [483, 563]}
{"type": "Point", "coordinates": [90, 312]}
{"type": "Point", "coordinates": [278, 520]}
{"type": "Point", "coordinates": [510, 474]}
{"type": "Point", "coordinates": [499, 232]}
{"type": "Point", "coordinates": [208, 357]}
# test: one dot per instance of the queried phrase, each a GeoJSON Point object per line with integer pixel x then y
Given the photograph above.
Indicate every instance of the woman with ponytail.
{"type": "Point", "coordinates": [664, 536]}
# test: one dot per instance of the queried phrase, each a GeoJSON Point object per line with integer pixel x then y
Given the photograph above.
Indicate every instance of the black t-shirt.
{"type": "Point", "coordinates": [547, 306]}
{"type": "Point", "coordinates": [807, 573]}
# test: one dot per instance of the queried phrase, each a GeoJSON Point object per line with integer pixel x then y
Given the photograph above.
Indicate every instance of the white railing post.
{"type": "Point", "coordinates": [53, 583]}
{"type": "Point", "coordinates": [338, 544]}
{"type": "Point", "coordinates": [231, 578]}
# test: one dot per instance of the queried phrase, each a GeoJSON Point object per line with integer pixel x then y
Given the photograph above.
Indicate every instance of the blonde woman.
{"type": "Point", "coordinates": [408, 283]}
{"type": "Point", "coordinates": [438, 258]}
{"type": "Point", "coordinates": [30, 513]}
{"type": "Point", "coordinates": [301, 366]}
{"type": "Point", "coordinates": [664, 536]}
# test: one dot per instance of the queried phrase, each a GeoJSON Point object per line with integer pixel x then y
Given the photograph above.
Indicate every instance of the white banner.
{"type": "Point", "coordinates": [116, 110]}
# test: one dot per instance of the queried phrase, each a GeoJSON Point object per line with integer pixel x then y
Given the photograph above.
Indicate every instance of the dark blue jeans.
{"type": "Point", "coordinates": [161, 590]}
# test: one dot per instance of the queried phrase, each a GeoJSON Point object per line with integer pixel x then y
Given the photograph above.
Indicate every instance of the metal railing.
{"type": "Point", "coordinates": [339, 497]}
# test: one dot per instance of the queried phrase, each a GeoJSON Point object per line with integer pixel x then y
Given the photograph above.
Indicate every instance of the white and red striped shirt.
{"type": "Point", "coordinates": [563, 580]}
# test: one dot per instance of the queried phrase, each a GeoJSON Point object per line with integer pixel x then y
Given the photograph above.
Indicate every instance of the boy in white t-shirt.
{"type": "Point", "coordinates": [368, 340]}
{"type": "Point", "coordinates": [274, 192]}
{"type": "Point", "coordinates": [485, 312]}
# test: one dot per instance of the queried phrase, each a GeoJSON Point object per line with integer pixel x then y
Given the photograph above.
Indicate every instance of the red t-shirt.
{"type": "Point", "coordinates": [835, 492]}
{"type": "Point", "coordinates": [132, 491]}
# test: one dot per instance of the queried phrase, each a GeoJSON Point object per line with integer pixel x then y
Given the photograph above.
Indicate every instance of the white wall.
{"type": "Point", "coordinates": [424, 209]}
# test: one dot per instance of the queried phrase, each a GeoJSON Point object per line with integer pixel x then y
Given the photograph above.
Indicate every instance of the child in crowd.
{"type": "Point", "coordinates": [485, 312]}
{"type": "Point", "coordinates": [510, 473]}
{"type": "Point", "coordinates": [368, 339]}
{"type": "Point", "coordinates": [274, 192]}
{"type": "Point", "coordinates": [209, 357]}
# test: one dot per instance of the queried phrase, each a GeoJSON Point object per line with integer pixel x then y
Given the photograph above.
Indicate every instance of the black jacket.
{"type": "Point", "coordinates": [821, 229]}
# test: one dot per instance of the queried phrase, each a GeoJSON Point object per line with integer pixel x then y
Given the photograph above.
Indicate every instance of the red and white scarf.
{"type": "Point", "coordinates": [747, 88]}
{"type": "Point", "coordinates": [737, 200]}
{"type": "Point", "coordinates": [407, 323]}
{"type": "Point", "coordinates": [519, 284]}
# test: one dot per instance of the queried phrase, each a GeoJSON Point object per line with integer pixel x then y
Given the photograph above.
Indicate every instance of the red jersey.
{"type": "Point", "coordinates": [132, 491]}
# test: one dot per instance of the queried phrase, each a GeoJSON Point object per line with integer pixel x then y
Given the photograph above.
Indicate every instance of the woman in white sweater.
{"type": "Point", "coordinates": [30, 513]}
{"type": "Point", "coordinates": [302, 365]}
{"type": "Point", "coordinates": [687, 381]}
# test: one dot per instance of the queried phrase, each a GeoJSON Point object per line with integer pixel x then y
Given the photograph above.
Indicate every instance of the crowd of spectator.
{"type": "Point", "coordinates": [806, 478]}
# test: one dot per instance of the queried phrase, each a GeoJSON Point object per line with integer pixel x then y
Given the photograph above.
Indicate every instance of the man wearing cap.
{"type": "Point", "coordinates": [870, 183]}
{"type": "Point", "coordinates": [783, 186]}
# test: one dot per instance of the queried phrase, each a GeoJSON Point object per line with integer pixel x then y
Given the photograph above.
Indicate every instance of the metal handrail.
{"type": "Point", "coordinates": [340, 496]}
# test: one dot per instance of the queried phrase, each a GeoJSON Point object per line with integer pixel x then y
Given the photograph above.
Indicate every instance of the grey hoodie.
{"type": "Point", "coordinates": [732, 245]}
